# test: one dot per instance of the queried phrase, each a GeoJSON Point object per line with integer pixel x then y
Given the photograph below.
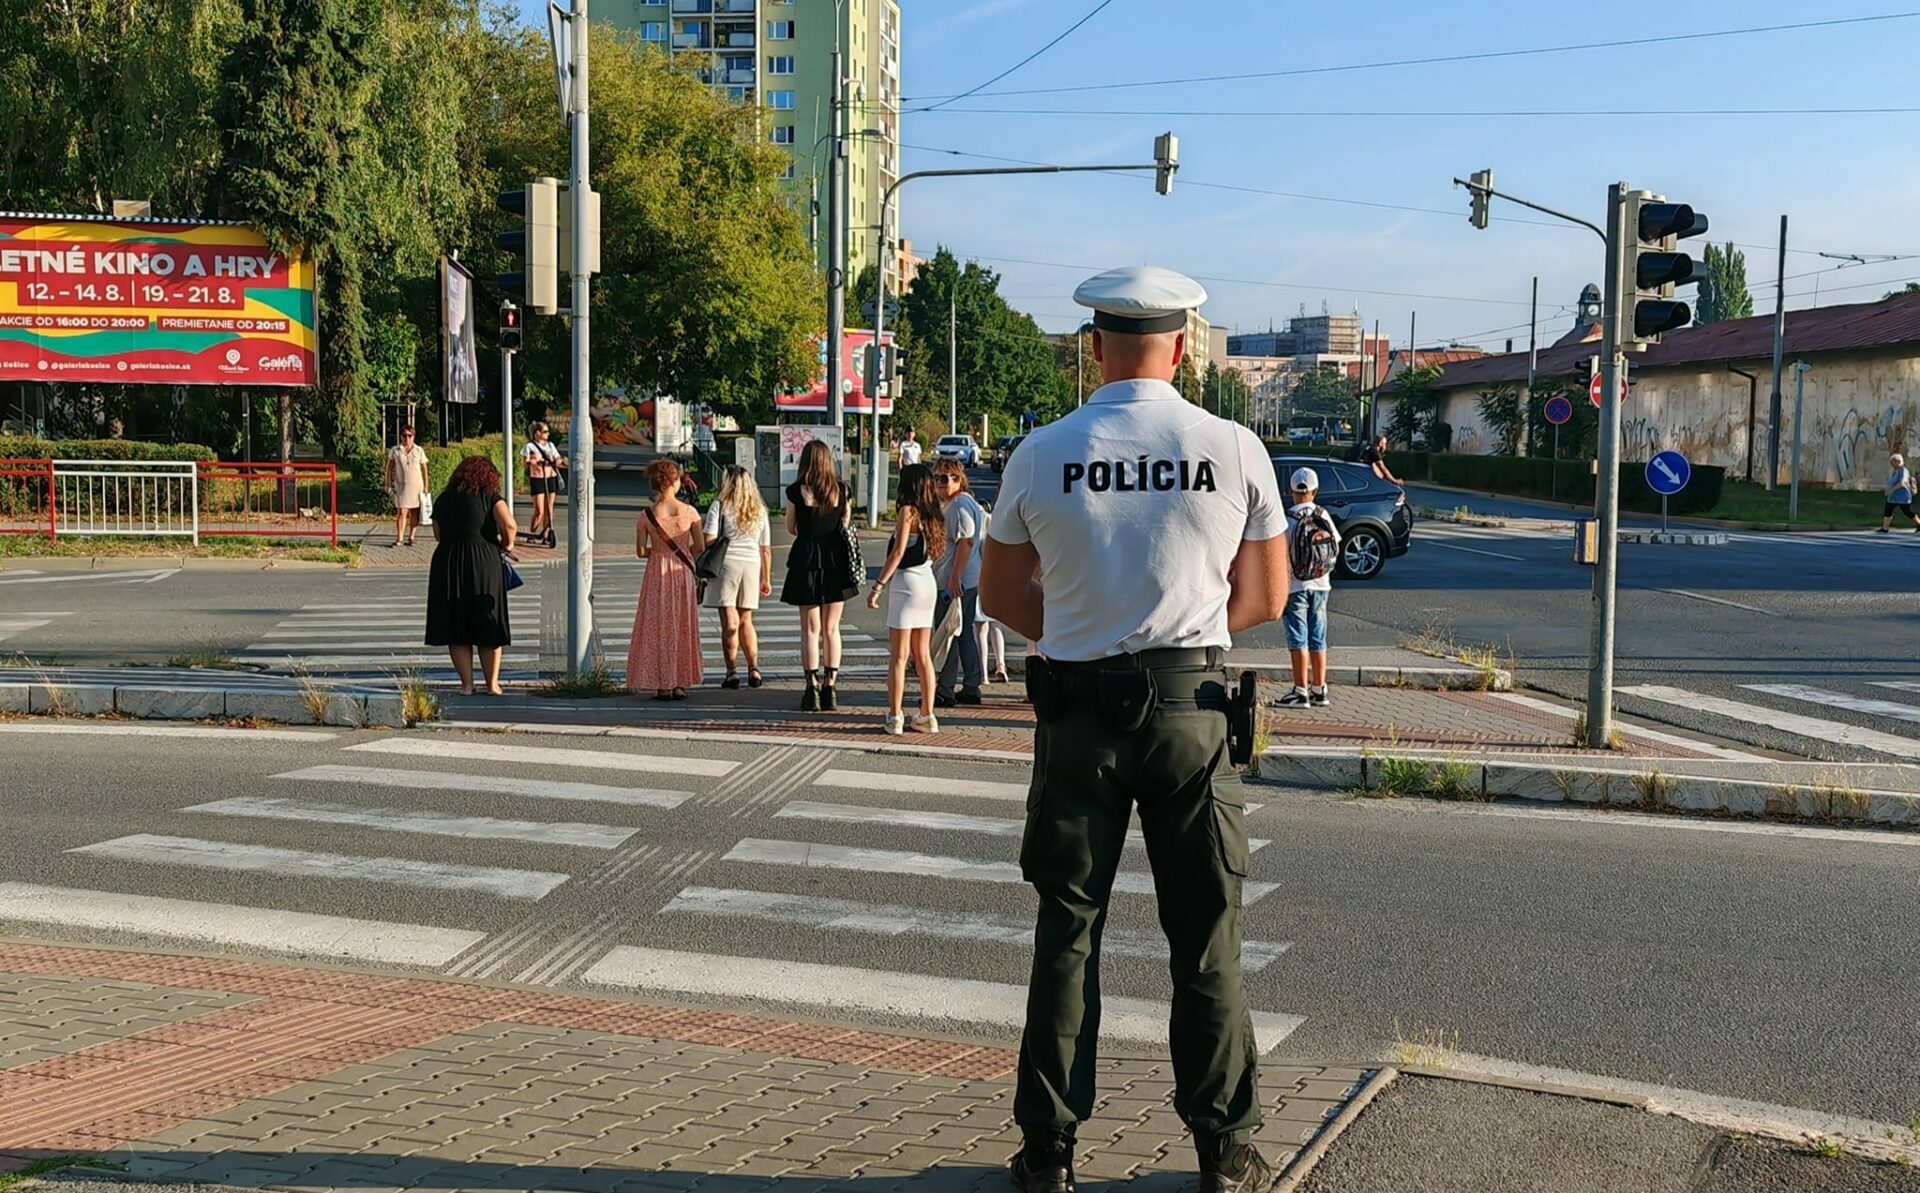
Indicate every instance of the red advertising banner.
{"type": "Point", "coordinates": [151, 301]}
{"type": "Point", "coordinates": [853, 367]}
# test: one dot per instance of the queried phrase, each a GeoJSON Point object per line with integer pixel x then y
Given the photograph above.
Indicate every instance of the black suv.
{"type": "Point", "coordinates": [1372, 515]}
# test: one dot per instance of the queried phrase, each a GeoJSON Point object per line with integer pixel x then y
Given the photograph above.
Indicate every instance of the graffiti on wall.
{"type": "Point", "coordinates": [1856, 444]}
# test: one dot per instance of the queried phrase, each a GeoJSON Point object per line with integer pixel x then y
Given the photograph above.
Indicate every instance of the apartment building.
{"type": "Point", "coordinates": [778, 56]}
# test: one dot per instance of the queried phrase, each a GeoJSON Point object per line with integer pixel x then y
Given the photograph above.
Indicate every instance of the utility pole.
{"type": "Point", "coordinates": [1800, 370]}
{"type": "Point", "coordinates": [1533, 361]}
{"type": "Point", "coordinates": [1606, 489]}
{"type": "Point", "coordinates": [1779, 347]}
{"type": "Point", "coordinates": [580, 435]}
{"type": "Point", "coordinates": [506, 424]}
{"type": "Point", "coordinates": [953, 365]}
{"type": "Point", "coordinates": [837, 248]}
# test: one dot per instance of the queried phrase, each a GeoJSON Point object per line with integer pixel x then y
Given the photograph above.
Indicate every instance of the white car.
{"type": "Point", "coordinates": [958, 447]}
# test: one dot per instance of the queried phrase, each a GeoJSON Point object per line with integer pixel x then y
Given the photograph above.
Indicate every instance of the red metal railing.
{"type": "Point", "coordinates": [270, 500]}
{"type": "Point", "coordinates": [26, 498]}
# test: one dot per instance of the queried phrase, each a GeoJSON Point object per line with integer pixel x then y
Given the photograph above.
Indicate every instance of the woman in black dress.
{"type": "Point", "coordinates": [819, 570]}
{"type": "Point", "coordinates": [467, 583]}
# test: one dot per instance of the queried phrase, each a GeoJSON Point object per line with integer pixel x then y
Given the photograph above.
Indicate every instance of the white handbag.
{"type": "Point", "coordinates": [426, 508]}
{"type": "Point", "coordinates": [946, 633]}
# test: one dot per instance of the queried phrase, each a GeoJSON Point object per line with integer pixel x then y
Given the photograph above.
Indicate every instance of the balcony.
{"type": "Point", "coordinates": [740, 8]}
{"type": "Point", "coordinates": [737, 41]}
{"type": "Point", "coordinates": [740, 76]}
{"type": "Point", "coordinates": [690, 41]}
{"type": "Point", "coordinates": [705, 6]}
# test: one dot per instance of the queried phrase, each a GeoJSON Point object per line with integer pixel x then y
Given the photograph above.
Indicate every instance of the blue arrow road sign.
{"type": "Point", "coordinates": [1668, 472]}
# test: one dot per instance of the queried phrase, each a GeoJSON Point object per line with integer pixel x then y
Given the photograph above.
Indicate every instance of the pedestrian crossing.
{"type": "Point", "coordinates": [12, 623]}
{"type": "Point", "coordinates": [27, 579]}
{"type": "Point", "coordinates": [839, 890]}
{"type": "Point", "coordinates": [377, 629]}
{"type": "Point", "coordinates": [1782, 714]}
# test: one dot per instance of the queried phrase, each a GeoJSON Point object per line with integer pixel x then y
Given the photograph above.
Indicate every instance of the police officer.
{"type": "Point", "coordinates": [1130, 539]}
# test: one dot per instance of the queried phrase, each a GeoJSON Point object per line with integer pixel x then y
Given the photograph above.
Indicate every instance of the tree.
{"type": "Point", "coordinates": [1323, 391]}
{"type": "Point", "coordinates": [1723, 294]}
{"type": "Point", "coordinates": [1500, 413]}
{"type": "Point", "coordinates": [1002, 361]}
{"type": "Point", "coordinates": [1416, 409]}
{"type": "Point", "coordinates": [1909, 288]}
{"type": "Point", "coordinates": [1188, 379]}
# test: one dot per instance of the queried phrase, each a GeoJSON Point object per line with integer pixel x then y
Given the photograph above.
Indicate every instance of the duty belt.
{"type": "Point", "coordinates": [1126, 689]}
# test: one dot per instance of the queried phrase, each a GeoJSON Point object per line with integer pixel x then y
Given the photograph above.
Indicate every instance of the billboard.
{"type": "Point", "coordinates": [853, 367]}
{"type": "Point", "coordinates": [143, 301]}
{"type": "Point", "coordinates": [460, 361]}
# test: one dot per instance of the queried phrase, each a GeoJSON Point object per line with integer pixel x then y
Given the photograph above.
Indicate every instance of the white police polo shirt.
{"type": "Point", "coordinates": [1137, 504]}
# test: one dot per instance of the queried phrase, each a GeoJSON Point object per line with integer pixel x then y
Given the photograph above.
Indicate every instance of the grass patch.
{"type": "Point", "coordinates": [1453, 780]}
{"type": "Point", "coordinates": [1262, 738]}
{"type": "Point", "coordinates": [1653, 787]}
{"type": "Point", "coordinates": [1403, 776]}
{"type": "Point", "coordinates": [596, 683]}
{"type": "Point", "coordinates": [418, 704]}
{"type": "Point", "coordinates": [1581, 735]}
{"type": "Point", "coordinates": [1825, 1147]}
{"type": "Point", "coordinates": [1743, 502]}
{"type": "Point", "coordinates": [1428, 1046]}
{"type": "Point", "coordinates": [1564, 782]}
{"type": "Point", "coordinates": [208, 657]}
{"type": "Point", "coordinates": [49, 1164]}
{"type": "Point", "coordinates": [30, 547]}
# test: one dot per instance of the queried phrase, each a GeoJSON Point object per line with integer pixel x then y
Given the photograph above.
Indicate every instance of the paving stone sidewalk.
{"type": "Point", "coordinates": [260, 1075]}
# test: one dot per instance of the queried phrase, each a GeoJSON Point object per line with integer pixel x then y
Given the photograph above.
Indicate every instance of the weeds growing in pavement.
{"type": "Point", "coordinates": [1397, 680]}
{"type": "Point", "coordinates": [1435, 641]}
{"type": "Point", "coordinates": [207, 657]}
{"type": "Point", "coordinates": [42, 1167]}
{"type": "Point", "coordinates": [1653, 787]}
{"type": "Point", "coordinates": [418, 704]}
{"type": "Point", "coordinates": [1262, 739]}
{"type": "Point", "coordinates": [595, 683]}
{"type": "Point", "coordinates": [1564, 782]}
{"type": "Point", "coordinates": [1403, 776]}
{"type": "Point", "coordinates": [1453, 780]}
{"type": "Point", "coordinates": [1842, 800]}
{"type": "Point", "coordinates": [1580, 735]}
{"type": "Point", "coordinates": [1428, 1046]}
{"type": "Point", "coordinates": [1825, 1147]}
{"type": "Point", "coordinates": [312, 695]}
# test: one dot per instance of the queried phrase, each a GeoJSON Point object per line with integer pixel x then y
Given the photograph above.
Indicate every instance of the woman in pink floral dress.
{"type": "Point", "coordinates": [664, 654]}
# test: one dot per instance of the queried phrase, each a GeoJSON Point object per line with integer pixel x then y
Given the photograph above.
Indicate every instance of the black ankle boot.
{"type": "Point", "coordinates": [829, 693]}
{"type": "Point", "coordinates": [810, 699]}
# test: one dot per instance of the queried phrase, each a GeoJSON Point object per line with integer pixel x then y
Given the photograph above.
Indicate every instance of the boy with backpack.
{"type": "Point", "coordinates": [1313, 547]}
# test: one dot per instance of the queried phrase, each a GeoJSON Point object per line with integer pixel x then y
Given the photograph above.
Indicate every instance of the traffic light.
{"type": "Point", "coordinates": [1656, 267]}
{"type": "Point", "coordinates": [509, 327]}
{"type": "Point", "coordinates": [1166, 158]}
{"type": "Point", "coordinates": [566, 232]}
{"type": "Point", "coordinates": [536, 242]}
{"type": "Point", "coordinates": [879, 368]}
{"type": "Point", "coordinates": [1480, 187]}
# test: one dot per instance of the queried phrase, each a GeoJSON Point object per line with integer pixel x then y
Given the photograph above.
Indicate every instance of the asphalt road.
{"type": "Point", "coordinates": [1753, 962]}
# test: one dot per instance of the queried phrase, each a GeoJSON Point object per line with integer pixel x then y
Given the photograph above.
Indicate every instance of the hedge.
{"type": "Point", "coordinates": [441, 461]}
{"type": "Point", "coordinates": [1561, 480]}
{"type": "Point", "coordinates": [13, 447]}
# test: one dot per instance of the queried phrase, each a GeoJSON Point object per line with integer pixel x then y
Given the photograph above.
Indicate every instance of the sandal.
{"type": "Point", "coordinates": [754, 678]}
{"type": "Point", "coordinates": [663, 694]}
{"type": "Point", "coordinates": [732, 681]}
{"type": "Point", "coordinates": [679, 694]}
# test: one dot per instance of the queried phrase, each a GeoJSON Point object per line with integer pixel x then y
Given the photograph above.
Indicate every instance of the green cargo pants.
{"type": "Point", "coordinates": [1086, 779]}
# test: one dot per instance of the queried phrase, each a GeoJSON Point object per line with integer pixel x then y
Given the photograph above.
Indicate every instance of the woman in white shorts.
{"type": "Point", "coordinates": [906, 579]}
{"type": "Point", "coordinates": [746, 569]}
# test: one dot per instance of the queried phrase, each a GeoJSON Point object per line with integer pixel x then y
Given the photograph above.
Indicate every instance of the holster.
{"type": "Point", "coordinates": [1046, 691]}
{"type": "Point", "coordinates": [1243, 712]}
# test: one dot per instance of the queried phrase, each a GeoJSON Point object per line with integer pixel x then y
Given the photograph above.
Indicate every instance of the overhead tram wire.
{"type": "Point", "coordinates": [1410, 114]}
{"type": "Point", "coordinates": [1064, 34]}
{"type": "Point", "coordinates": [1432, 60]}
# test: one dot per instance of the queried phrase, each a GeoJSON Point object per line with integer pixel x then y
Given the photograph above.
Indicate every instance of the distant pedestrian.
{"type": "Point", "coordinates": [664, 652]}
{"type": "Point", "coordinates": [1375, 457]}
{"type": "Point", "coordinates": [959, 577]}
{"type": "Point", "coordinates": [746, 569]}
{"type": "Point", "coordinates": [467, 580]}
{"type": "Point", "coordinates": [909, 449]}
{"type": "Point", "coordinates": [820, 571]}
{"type": "Point", "coordinates": [546, 469]}
{"type": "Point", "coordinates": [1313, 547]}
{"type": "Point", "coordinates": [919, 538]}
{"type": "Point", "coordinates": [406, 483]}
{"type": "Point", "coordinates": [1899, 494]}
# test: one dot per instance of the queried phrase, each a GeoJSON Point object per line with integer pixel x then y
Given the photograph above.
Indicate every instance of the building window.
{"type": "Point", "coordinates": [780, 101]}
{"type": "Point", "coordinates": [779, 30]}
{"type": "Point", "coordinates": [791, 172]}
{"type": "Point", "coordinates": [780, 64]}
{"type": "Point", "coordinates": [783, 134]}
{"type": "Point", "coordinates": [653, 31]}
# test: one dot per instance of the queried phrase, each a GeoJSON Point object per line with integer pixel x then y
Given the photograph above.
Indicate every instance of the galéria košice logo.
{"type": "Point", "coordinates": [280, 364]}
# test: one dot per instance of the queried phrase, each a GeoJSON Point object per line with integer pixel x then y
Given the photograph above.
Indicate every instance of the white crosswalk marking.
{"type": "Point", "coordinates": [300, 863]}
{"type": "Point", "coordinates": [844, 988]}
{"type": "Point", "coordinates": [546, 756]}
{"type": "Point", "coordinates": [299, 932]}
{"type": "Point", "coordinates": [380, 629]}
{"type": "Point", "coordinates": [1817, 728]}
{"type": "Point", "coordinates": [923, 785]}
{"type": "Point", "coordinates": [427, 780]}
{"type": "Point", "coordinates": [143, 576]}
{"type": "Point", "coordinates": [1881, 708]}
{"type": "Point", "coordinates": [405, 820]}
{"type": "Point", "coordinates": [995, 826]}
{"type": "Point", "coordinates": [19, 623]}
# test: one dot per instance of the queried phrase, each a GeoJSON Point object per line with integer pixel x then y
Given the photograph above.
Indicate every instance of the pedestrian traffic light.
{"type": "Point", "coordinates": [1656, 267]}
{"type": "Point", "coordinates": [509, 327]}
{"type": "Point", "coordinates": [1166, 159]}
{"type": "Point", "coordinates": [1480, 188]}
{"type": "Point", "coordinates": [879, 368]}
{"type": "Point", "coordinates": [536, 242]}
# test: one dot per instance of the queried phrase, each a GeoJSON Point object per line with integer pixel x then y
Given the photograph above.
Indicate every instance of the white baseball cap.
{"type": "Point", "coordinates": [1306, 480]}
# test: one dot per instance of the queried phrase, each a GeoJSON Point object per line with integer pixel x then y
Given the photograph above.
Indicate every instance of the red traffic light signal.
{"type": "Point", "coordinates": [510, 329]}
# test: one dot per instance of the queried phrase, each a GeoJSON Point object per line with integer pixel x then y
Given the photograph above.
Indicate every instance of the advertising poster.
{"type": "Point", "coordinates": [146, 301]}
{"type": "Point", "coordinates": [462, 359]}
{"type": "Point", "coordinates": [853, 365]}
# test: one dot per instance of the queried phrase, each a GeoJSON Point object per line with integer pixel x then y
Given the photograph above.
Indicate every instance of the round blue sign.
{"type": "Point", "coordinates": [1558, 411]}
{"type": "Point", "coordinates": [1668, 473]}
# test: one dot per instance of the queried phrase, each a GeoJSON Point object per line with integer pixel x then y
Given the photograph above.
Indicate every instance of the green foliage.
{"type": "Point", "coordinates": [1500, 414]}
{"type": "Point", "coordinates": [1564, 480]}
{"type": "Point", "coordinates": [1189, 381]}
{"type": "Point", "coordinates": [1723, 295]}
{"type": "Point", "coordinates": [1416, 408]}
{"type": "Point", "coordinates": [13, 448]}
{"type": "Point", "coordinates": [1909, 288]}
{"type": "Point", "coordinates": [1003, 362]}
{"type": "Point", "coordinates": [1324, 390]}
{"type": "Point", "coordinates": [1578, 436]}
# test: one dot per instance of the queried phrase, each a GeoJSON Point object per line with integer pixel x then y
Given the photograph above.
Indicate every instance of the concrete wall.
{"type": "Point", "coordinates": [1859, 407]}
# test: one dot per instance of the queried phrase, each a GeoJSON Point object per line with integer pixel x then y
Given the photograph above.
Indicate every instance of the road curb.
{"type": "Point", "coordinates": [1621, 785]}
{"type": "Point", "coordinates": [191, 563]}
{"type": "Point", "coordinates": [1701, 538]}
{"type": "Point", "coordinates": [1711, 523]}
{"type": "Point", "coordinates": [1302, 1165]}
{"type": "Point", "coordinates": [158, 702]}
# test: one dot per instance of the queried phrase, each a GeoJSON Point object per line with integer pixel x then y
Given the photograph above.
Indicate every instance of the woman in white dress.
{"type": "Point", "coordinates": [746, 570]}
{"type": "Point", "coordinates": [919, 538]}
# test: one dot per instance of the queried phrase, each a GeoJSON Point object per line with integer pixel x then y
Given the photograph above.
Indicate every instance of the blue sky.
{"type": "Point", "coordinates": [1848, 181]}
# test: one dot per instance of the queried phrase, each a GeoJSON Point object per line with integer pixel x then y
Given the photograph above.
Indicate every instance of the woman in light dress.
{"type": "Point", "coordinates": [746, 570]}
{"type": "Point", "coordinates": [664, 653]}
{"type": "Point", "coordinates": [906, 579]}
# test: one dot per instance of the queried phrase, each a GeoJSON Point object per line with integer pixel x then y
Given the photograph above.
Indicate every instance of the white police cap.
{"type": "Point", "coordinates": [1140, 299]}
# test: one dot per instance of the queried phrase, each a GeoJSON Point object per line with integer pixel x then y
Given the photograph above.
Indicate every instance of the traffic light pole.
{"type": "Point", "coordinates": [580, 435]}
{"type": "Point", "coordinates": [837, 253]}
{"type": "Point", "coordinates": [1617, 310]}
{"type": "Point", "coordinates": [506, 425]}
{"type": "Point", "coordinates": [877, 463]}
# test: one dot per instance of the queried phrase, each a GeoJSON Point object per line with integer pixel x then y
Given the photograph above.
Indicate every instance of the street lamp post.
{"type": "Point", "coordinates": [1164, 168]}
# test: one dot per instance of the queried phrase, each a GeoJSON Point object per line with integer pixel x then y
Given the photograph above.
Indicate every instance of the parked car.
{"type": "Point", "coordinates": [1003, 451]}
{"type": "Point", "coordinates": [958, 447]}
{"type": "Point", "coordinates": [1372, 515]}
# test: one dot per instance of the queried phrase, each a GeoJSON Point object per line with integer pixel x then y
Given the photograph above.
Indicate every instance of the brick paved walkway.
{"type": "Point", "coordinates": [270, 1076]}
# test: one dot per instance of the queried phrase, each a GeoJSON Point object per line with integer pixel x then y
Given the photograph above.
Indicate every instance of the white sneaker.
{"type": "Point", "coordinates": [1317, 697]}
{"type": "Point", "coordinates": [1296, 698]}
{"type": "Point", "coordinates": [926, 724]}
{"type": "Point", "coordinates": [896, 726]}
